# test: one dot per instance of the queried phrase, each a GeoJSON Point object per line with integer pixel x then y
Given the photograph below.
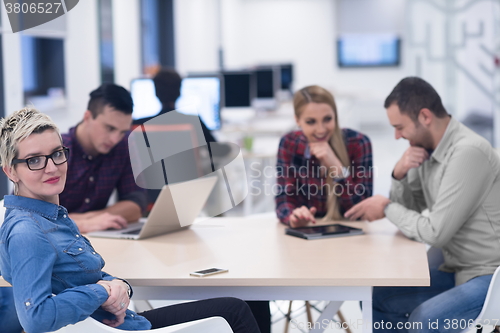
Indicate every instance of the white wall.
{"type": "Point", "coordinates": [469, 97]}
{"type": "Point", "coordinates": [82, 60]}
{"type": "Point", "coordinates": [126, 41]}
{"type": "Point", "coordinates": [371, 16]}
{"type": "Point", "coordinates": [297, 31]}
{"type": "Point", "coordinates": [268, 31]}
{"type": "Point", "coordinates": [460, 95]}
{"type": "Point", "coordinates": [196, 37]}
{"type": "Point", "coordinates": [378, 16]}
{"type": "Point", "coordinates": [12, 69]}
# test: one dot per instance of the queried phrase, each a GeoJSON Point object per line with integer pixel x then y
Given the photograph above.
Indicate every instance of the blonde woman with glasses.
{"type": "Point", "coordinates": [56, 275]}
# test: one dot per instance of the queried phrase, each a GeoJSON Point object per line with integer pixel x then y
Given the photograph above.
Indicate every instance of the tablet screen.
{"type": "Point", "coordinates": [326, 229]}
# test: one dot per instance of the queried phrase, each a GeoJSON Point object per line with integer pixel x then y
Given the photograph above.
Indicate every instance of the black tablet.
{"type": "Point", "coordinates": [323, 231]}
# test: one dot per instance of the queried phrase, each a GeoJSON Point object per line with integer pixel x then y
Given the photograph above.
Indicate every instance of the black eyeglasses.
{"type": "Point", "coordinates": [40, 162]}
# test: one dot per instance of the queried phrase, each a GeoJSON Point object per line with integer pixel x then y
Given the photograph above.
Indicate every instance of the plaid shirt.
{"type": "Point", "coordinates": [300, 181]}
{"type": "Point", "coordinates": [91, 180]}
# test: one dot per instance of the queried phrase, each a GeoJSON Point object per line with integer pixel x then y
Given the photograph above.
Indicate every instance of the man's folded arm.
{"type": "Point", "coordinates": [408, 191]}
{"type": "Point", "coordinates": [465, 183]}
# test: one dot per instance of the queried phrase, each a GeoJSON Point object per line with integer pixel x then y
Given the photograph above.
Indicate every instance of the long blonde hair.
{"type": "Point", "coordinates": [317, 94]}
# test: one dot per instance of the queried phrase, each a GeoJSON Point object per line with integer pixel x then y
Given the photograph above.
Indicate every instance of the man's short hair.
{"type": "Point", "coordinates": [113, 95]}
{"type": "Point", "coordinates": [168, 86]}
{"type": "Point", "coordinates": [412, 94]}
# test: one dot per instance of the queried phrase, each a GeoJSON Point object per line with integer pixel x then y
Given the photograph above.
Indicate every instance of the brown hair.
{"type": "Point", "coordinates": [317, 94]}
{"type": "Point", "coordinates": [168, 86]}
{"type": "Point", "coordinates": [412, 94]}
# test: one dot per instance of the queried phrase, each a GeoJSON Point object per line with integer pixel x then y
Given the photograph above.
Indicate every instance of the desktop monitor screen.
{"type": "Point", "coordinates": [201, 96]}
{"type": "Point", "coordinates": [368, 50]}
{"type": "Point", "coordinates": [265, 83]}
{"type": "Point", "coordinates": [286, 76]}
{"type": "Point", "coordinates": [146, 104]}
{"type": "Point", "coordinates": [238, 89]}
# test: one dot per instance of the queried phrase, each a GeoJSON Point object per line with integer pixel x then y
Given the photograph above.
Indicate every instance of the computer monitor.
{"type": "Point", "coordinates": [201, 95]}
{"type": "Point", "coordinates": [268, 83]}
{"type": "Point", "coordinates": [286, 76]}
{"type": "Point", "coordinates": [239, 88]}
{"type": "Point", "coordinates": [146, 104]}
{"type": "Point", "coordinates": [368, 50]}
{"type": "Point", "coordinates": [265, 82]}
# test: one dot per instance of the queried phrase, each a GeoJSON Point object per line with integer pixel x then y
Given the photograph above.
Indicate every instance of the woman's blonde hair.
{"type": "Point", "coordinates": [317, 94]}
{"type": "Point", "coordinates": [17, 127]}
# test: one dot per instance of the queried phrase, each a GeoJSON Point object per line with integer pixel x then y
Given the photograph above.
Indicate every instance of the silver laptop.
{"type": "Point", "coordinates": [175, 208]}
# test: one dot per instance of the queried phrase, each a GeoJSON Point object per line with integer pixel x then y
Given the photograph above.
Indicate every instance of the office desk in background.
{"type": "Point", "coordinates": [266, 264]}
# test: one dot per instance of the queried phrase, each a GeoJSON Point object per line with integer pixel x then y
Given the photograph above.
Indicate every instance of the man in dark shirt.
{"type": "Point", "coordinates": [168, 89]}
{"type": "Point", "coordinates": [99, 163]}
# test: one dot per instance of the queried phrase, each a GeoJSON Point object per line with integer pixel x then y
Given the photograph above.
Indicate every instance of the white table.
{"type": "Point", "coordinates": [265, 264]}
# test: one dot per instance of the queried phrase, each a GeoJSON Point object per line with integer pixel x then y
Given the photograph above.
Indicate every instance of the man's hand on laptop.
{"type": "Point", "coordinates": [96, 221]}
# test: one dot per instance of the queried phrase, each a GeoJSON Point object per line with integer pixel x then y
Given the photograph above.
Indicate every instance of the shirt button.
{"type": "Point", "coordinates": [90, 157]}
{"type": "Point", "coordinates": [93, 252]}
{"type": "Point", "coordinates": [91, 178]}
{"type": "Point", "coordinates": [77, 235]}
{"type": "Point", "coordinates": [87, 200]}
{"type": "Point", "coordinates": [80, 249]}
{"type": "Point", "coordinates": [65, 216]}
{"type": "Point", "coordinates": [27, 303]}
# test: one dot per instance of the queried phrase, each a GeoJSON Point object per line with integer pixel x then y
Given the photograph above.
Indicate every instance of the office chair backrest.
{"type": "Point", "coordinates": [491, 307]}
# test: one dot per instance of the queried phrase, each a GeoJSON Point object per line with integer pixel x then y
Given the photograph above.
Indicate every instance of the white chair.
{"type": "Point", "coordinates": [208, 325]}
{"type": "Point", "coordinates": [2, 212]}
{"type": "Point", "coordinates": [490, 312]}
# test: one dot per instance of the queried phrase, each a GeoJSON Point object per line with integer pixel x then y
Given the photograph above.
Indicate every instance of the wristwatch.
{"type": "Point", "coordinates": [130, 291]}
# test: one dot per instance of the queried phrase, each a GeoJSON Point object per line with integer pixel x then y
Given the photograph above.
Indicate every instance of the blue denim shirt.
{"type": "Point", "coordinates": [53, 269]}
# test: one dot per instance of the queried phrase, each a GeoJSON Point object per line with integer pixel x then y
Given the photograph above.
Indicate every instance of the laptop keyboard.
{"type": "Point", "coordinates": [132, 232]}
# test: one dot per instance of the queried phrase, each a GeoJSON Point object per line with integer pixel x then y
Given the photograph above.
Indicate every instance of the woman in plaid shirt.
{"type": "Point", "coordinates": [322, 170]}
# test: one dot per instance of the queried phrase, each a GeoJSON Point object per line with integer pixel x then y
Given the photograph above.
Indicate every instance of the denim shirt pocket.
{"type": "Point", "coordinates": [94, 252]}
{"type": "Point", "coordinates": [84, 256]}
